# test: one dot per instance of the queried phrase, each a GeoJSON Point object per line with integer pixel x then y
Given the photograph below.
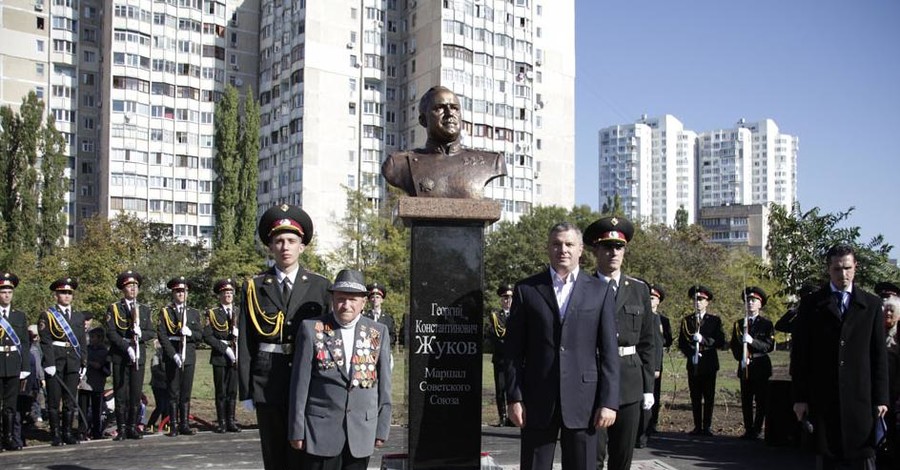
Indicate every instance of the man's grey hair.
{"type": "Point", "coordinates": [564, 227]}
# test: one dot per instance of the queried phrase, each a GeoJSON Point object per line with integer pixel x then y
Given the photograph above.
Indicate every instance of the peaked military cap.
{"type": "Point", "coordinates": [179, 282]}
{"type": "Point", "coordinates": [658, 291]}
{"type": "Point", "coordinates": [285, 218]}
{"type": "Point", "coordinates": [223, 284]}
{"type": "Point", "coordinates": [9, 280]}
{"type": "Point", "coordinates": [757, 293]}
{"type": "Point", "coordinates": [505, 289]}
{"type": "Point", "coordinates": [64, 284]}
{"type": "Point", "coordinates": [349, 280]}
{"type": "Point", "coordinates": [609, 230]}
{"type": "Point", "coordinates": [702, 292]}
{"type": "Point", "coordinates": [128, 277]}
{"type": "Point", "coordinates": [886, 289]}
{"type": "Point", "coordinates": [376, 288]}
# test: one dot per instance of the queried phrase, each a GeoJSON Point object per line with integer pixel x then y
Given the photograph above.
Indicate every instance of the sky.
{"type": "Point", "coordinates": [827, 71]}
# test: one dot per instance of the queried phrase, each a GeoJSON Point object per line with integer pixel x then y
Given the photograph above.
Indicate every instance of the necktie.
{"type": "Point", "coordinates": [68, 317]}
{"type": "Point", "coordinates": [228, 312]}
{"type": "Point", "coordinates": [614, 286]}
{"type": "Point", "coordinates": [839, 296]}
{"type": "Point", "coordinates": [286, 289]}
{"type": "Point", "coordinates": [3, 312]}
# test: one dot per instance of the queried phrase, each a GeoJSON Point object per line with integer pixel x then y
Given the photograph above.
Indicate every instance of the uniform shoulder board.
{"type": "Point", "coordinates": [313, 273]}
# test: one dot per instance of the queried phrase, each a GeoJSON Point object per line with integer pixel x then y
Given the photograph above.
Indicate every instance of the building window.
{"type": "Point", "coordinates": [39, 69]}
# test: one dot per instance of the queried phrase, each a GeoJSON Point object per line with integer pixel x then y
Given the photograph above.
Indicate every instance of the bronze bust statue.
{"type": "Point", "coordinates": [443, 168]}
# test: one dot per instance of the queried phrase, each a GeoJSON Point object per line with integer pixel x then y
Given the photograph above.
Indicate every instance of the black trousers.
{"type": "Point", "coordinates": [618, 440]}
{"type": "Point", "coordinates": [579, 446]}
{"type": "Point", "coordinates": [754, 391]}
{"type": "Point", "coordinates": [500, 389]}
{"type": "Point", "coordinates": [825, 463]}
{"type": "Point", "coordinates": [56, 395]}
{"type": "Point", "coordinates": [273, 438]}
{"type": "Point", "coordinates": [649, 418]}
{"type": "Point", "coordinates": [181, 382]}
{"type": "Point", "coordinates": [703, 399]}
{"type": "Point", "coordinates": [128, 383]}
{"type": "Point", "coordinates": [343, 461]}
{"type": "Point", "coordinates": [225, 379]}
{"type": "Point", "coordinates": [9, 399]}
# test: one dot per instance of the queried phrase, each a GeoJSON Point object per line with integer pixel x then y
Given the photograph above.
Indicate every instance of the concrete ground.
{"type": "Point", "coordinates": [666, 451]}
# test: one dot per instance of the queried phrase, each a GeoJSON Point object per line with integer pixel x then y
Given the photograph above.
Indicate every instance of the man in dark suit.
{"type": "Point", "coordinates": [839, 366]}
{"type": "Point", "coordinates": [64, 349]}
{"type": "Point", "coordinates": [700, 338]}
{"type": "Point", "coordinates": [179, 331]}
{"type": "Point", "coordinates": [563, 378]}
{"type": "Point", "coordinates": [221, 333]}
{"type": "Point", "coordinates": [496, 334]}
{"type": "Point", "coordinates": [608, 237]}
{"type": "Point", "coordinates": [751, 346]}
{"type": "Point", "coordinates": [129, 328]}
{"type": "Point", "coordinates": [15, 360]}
{"type": "Point", "coordinates": [273, 306]}
{"type": "Point", "coordinates": [663, 330]}
{"type": "Point", "coordinates": [340, 408]}
{"type": "Point", "coordinates": [377, 294]}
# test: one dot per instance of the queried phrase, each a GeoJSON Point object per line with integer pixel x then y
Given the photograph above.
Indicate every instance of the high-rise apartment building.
{"type": "Point", "coordinates": [656, 167]}
{"type": "Point", "coordinates": [133, 85]}
{"type": "Point", "coordinates": [340, 83]}
{"type": "Point", "coordinates": [649, 166]}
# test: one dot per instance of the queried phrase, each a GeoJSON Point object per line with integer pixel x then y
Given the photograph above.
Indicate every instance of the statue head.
{"type": "Point", "coordinates": [440, 114]}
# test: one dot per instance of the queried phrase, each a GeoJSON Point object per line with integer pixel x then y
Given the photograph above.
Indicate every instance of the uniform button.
{"type": "Point", "coordinates": [842, 363]}
{"type": "Point", "coordinates": [289, 337]}
{"type": "Point", "coordinates": [842, 342]}
{"type": "Point", "coordinates": [288, 323]}
{"type": "Point", "coordinates": [289, 364]}
{"type": "Point", "coordinates": [562, 348]}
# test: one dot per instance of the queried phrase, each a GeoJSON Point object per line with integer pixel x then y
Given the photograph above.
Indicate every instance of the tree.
{"type": "Point", "coordinates": [798, 242]}
{"type": "Point", "coordinates": [19, 143]}
{"type": "Point", "coordinates": [52, 189]}
{"type": "Point", "coordinates": [613, 206]}
{"type": "Point", "coordinates": [227, 167]}
{"type": "Point", "coordinates": [681, 219]}
{"type": "Point", "coordinates": [248, 151]}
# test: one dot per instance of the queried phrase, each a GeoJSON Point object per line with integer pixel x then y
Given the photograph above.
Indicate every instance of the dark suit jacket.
{"type": "Point", "coordinates": [263, 376]}
{"type": "Point", "coordinates": [635, 328]}
{"type": "Point", "coordinates": [573, 362]}
{"type": "Point", "coordinates": [839, 367]}
{"type": "Point", "coordinates": [65, 358]}
{"type": "Point", "coordinates": [713, 339]}
{"type": "Point", "coordinates": [763, 332]}
{"type": "Point", "coordinates": [170, 346]}
{"type": "Point", "coordinates": [217, 333]}
{"type": "Point", "coordinates": [385, 319]}
{"type": "Point", "coordinates": [663, 331]}
{"type": "Point", "coordinates": [12, 363]}
{"type": "Point", "coordinates": [120, 331]}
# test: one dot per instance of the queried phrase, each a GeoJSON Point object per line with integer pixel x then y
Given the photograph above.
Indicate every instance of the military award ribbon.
{"type": "Point", "coordinates": [67, 329]}
{"type": "Point", "coordinates": [10, 331]}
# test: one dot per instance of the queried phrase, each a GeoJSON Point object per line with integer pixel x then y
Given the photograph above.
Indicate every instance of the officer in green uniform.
{"type": "Point", "coordinates": [273, 306]}
{"type": "Point", "coordinates": [179, 332]}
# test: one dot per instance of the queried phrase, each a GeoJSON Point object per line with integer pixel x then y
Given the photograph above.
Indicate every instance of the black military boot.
{"type": "Point", "coordinates": [220, 417]}
{"type": "Point", "coordinates": [55, 431]}
{"type": "Point", "coordinates": [133, 419]}
{"type": "Point", "coordinates": [231, 424]}
{"type": "Point", "coordinates": [173, 420]}
{"type": "Point", "coordinates": [185, 420]}
{"type": "Point", "coordinates": [69, 436]}
{"type": "Point", "coordinates": [8, 441]}
{"type": "Point", "coordinates": [120, 424]}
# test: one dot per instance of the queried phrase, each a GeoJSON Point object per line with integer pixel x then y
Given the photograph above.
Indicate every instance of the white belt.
{"type": "Point", "coordinates": [175, 338]}
{"type": "Point", "coordinates": [12, 348]}
{"type": "Point", "coordinates": [62, 344]}
{"type": "Point", "coordinates": [225, 341]}
{"type": "Point", "coordinates": [275, 348]}
{"type": "Point", "coordinates": [627, 350]}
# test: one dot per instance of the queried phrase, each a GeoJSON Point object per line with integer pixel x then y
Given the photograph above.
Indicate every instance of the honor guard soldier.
{"type": "Point", "coordinates": [377, 294]}
{"type": "Point", "coordinates": [15, 359]}
{"type": "Point", "coordinates": [700, 337]}
{"type": "Point", "coordinates": [752, 339]}
{"type": "Point", "coordinates": [179, 332]}
{"type": "Point", "coordinates": [64, 349]}
{"type": "Point", "coordinates": [496, 333]}
{"type": "Point", "coordinates": [608, 237]}
{"type": "Point", "coordinates": [663, 330]}
{"type": "Point", "coordinates": [221, 333]}
{"type": "Point", "coordinates": [273, 306]}
{"type": "Point", "coordinates": [128, 328]}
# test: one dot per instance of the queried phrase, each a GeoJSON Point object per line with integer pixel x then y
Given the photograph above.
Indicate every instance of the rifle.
{"type": "Point", "coordinates": [746, 356]}
{"type": "Point", "coordinates": [183, 337]}
{"type": "Point", "coordinates": [232, 324]}
{"type": "Point", "coordinates": [136, 322]}
{"type": "Point", "coordinates": [696, 359]}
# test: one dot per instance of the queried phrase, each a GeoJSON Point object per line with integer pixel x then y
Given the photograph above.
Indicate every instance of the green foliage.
{"type": "Point", "coordinates": [53, 189]}
{"type": "Point", "coordinates": [613, 206]}
{"type": "Point", "coordinates": [248, 154]}
{"type": "Point", "coordinates": [799, 240]}
{"type": "Point", "coordinates": [681, 218]}
{"type": "Point", "coordinates": [227, 166]}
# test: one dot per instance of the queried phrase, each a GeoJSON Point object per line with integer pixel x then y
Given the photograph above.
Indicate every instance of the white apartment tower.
{"type": "Point", "coordinates": [340, 83]}
{"type": "Point", "coordinates": [649, 165]}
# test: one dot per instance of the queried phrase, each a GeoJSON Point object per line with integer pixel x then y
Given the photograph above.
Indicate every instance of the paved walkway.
{"type": "Point", "coordinates": [239, 451]}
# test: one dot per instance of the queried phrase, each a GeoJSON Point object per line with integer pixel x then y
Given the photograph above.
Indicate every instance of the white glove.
{"type": "Point", "coordinates": [648, 401]}
{"type": "Point", "coordinates": [185, 331]}
{"type": "Point", "coordinates": [24, 374]}
{"type": "Point", "coordinates": [230, 353]}
{"type": "Point", "coordinates": [81, 373]}
{"type": "Point", "coordinates": [178, 360]}
{"type": "Point", "coordinates": [131, 353]}
{"type": "Point", "coordinates": [748, 339]}
{"type": "Point", "coordinates": [51, 371]}
{"type": "Point", "coordinates": [234, 331]}
{"type": "Point", "coordinates": [248, 405]}
{"type": "Point", "coordinates": [697, 337]}
{"type": "Point", "coordinates": [137, 331]}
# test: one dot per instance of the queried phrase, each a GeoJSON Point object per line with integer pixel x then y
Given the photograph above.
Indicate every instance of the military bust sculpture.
{"type": "Point", "coordinates": [443, 168]}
